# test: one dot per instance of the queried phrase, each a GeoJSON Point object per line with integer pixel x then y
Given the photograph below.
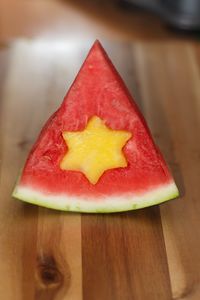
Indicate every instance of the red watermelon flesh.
{"type": "Point", "coordinates": [98, 90]}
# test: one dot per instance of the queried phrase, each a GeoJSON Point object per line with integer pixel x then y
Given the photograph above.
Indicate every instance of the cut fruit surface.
{"type": "Point", "coordinates": [96, 153]}
{"type": "Point", "coordinates": [94, 150]}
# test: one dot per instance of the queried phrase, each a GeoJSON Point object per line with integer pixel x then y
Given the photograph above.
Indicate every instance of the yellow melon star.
{"type": "Point", "coordinates": [95, 149]}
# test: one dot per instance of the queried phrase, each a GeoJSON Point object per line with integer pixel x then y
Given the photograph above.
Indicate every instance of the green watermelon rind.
{"type": "Point", "coordinates": [112, 203]}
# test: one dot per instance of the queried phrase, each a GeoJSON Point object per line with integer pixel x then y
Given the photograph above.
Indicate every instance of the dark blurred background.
{"type": "Point", "coordinates": [110, 19]}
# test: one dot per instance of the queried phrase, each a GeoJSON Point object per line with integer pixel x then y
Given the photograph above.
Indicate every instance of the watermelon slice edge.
{"type": "Point", "coordinates": [121, 203]}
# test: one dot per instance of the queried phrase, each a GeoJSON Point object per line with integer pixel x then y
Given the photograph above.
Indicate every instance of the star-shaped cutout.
{"type": "Point", "coordinates": [95, 149]}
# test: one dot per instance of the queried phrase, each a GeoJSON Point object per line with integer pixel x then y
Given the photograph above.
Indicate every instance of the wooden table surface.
{"type": "Point", "coordinates": [153, 253]}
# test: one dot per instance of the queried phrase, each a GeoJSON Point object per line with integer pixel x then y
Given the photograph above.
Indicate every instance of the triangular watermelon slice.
{"type": "Point", "coordinates": [96, 153]}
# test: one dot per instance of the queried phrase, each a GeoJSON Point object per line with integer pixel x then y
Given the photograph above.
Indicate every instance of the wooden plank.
{"type": "Point", "coordinates": [58, 274]}
{"type": "Point", "coordinates": [124, 254]}
{"type": "Point", "coordinates": [169, 78]}
{"type": "Point", "coordinates": [40, 253]}
{"type": "Point", "coordinates": [4, 62]}
{"type": "Point", "coordinates": [46, 254]}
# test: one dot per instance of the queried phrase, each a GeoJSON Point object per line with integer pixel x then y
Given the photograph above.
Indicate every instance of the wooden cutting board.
{"type": "Point", "coordinates": [152, 253]}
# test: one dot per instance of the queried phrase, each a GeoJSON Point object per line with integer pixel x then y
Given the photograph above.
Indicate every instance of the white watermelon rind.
{"type": "Point", "coordinates": [115, 203]}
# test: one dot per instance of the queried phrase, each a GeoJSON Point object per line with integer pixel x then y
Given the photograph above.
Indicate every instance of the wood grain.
{"type": "Point", "coordinates": [169, 77]}
{"type": "Point", "coordinates": [58, 256]}
{"type": "Point", "coordinates": [40, 250]}
{"type": "Point", "coordinates": [148, 254]}
{"type": "Point", "coordinates": [118, 250]}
